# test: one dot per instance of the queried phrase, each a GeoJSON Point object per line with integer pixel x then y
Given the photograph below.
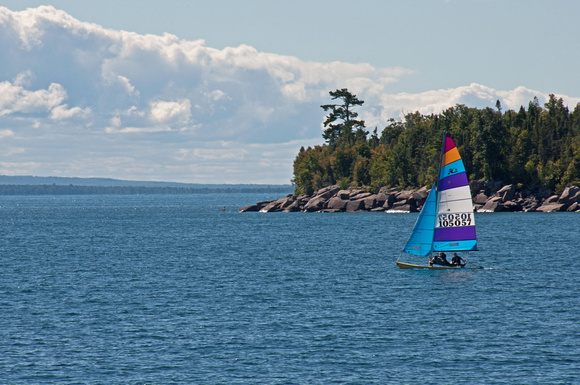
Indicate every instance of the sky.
{"type": "Point", "coordinates": [228, 91]}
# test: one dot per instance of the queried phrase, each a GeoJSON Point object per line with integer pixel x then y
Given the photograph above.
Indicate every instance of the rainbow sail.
{"type": "Point", "coordinates": [454, 222]}
{"type": "Point", "coordinates": [446, 221]}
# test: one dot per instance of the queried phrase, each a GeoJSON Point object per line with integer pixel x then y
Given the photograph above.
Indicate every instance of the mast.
{"type": "Point", "coordinates": [441, 159]}
{"type": "Point", "coordinates": [436, 186]}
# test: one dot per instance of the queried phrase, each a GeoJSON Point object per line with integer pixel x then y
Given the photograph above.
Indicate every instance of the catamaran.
{"type": "Point", "coordinates": [446, 222]}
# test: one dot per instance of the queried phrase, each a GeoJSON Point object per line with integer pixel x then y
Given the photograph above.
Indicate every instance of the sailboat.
{"type": "Point", "coordinates": [446, 222]}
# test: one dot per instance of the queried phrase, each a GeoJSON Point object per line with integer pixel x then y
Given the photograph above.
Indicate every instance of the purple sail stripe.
{"type": "Point", "coordinates": [453, 181]}
{"type": "Point", "coordinates": [449, 234]}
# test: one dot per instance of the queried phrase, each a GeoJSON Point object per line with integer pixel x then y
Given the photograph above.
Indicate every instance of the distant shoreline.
{"type": "Point", "coordinates": [31, 185]}
{"type": "Point", "coordinates": [14, 190]}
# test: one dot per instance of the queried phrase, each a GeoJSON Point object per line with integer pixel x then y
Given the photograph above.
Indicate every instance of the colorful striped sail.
{"type": "Point", "coordinates": [454, 222]}
{"type": "Point", "coordinates": [421, 240]}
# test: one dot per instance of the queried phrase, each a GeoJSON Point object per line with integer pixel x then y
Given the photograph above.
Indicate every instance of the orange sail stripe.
{"type": "Point", "coordinates": [450, 156]}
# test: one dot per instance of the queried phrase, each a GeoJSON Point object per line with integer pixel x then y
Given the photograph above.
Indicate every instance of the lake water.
{"type": "Point", "coordinates": [172, 289]}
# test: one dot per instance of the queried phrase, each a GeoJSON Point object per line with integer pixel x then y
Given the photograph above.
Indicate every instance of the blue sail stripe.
{"type": "Point", "coordinates": [470, 245]}
{"type": "Point", "coordinates": [452, 169]}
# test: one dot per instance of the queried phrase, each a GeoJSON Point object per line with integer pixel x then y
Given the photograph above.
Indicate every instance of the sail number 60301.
{"type": "Point", "coordinates": [455, 220]}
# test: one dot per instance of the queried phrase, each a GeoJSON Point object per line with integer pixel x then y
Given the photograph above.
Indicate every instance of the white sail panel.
{"type": "Point", "coordinates": [456, 200]}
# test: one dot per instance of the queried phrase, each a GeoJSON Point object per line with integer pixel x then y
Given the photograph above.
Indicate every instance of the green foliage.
{"type": "Point", "coordinates": [344, 183]}
{"type": "Point", "coordinates": [537, 146]}
{"type": "Point", "coordinates": [341, 122]}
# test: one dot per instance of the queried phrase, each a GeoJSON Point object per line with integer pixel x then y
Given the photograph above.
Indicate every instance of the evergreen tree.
{"type": "Point", "coordinates": [341, 121]}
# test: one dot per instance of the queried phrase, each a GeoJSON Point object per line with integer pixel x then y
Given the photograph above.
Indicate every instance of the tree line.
{"type": "Point", "coordinates": [537, 146]}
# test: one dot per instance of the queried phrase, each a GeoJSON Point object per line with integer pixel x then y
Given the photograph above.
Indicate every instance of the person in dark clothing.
{"type": "Point", "coordinates": [440, 259]}
{"type": "Point", "coordinates": [457, 260]}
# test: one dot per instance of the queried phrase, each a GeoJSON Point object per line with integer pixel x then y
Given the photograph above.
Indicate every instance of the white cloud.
{"type": "Point", "coordinates": [216, 95]}
{"type": "Point", "coordinates": [63, 112]}
{"type": "Point", "coordinates": [6, 134]}
{"type": "Point", "coordinates": [14, 98]}
{"type": "Point", "coordinates": [474, 95]}
{"type": "Point", "coordinates": [157, 107]}
{"type": "Point", "coordinates": [23, 79]}
{"type": "Point", "coordinates": [168, 112]}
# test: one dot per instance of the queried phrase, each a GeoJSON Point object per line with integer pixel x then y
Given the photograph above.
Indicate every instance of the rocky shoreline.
{"type": "Point", "coordinates": [487, 197]}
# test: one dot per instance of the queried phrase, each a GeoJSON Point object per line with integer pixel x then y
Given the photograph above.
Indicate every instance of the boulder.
{"type": "Point", "coordinates": [249, 208]}
{"type": "Point", "coordinates": [279, 204]}
{"type": "Point", "coordinates": [315, 204]}
{"type": "Point", "coordinates": [420, 196]}
{"type": "Point", "coordinates": [327, 192]}
{"type": "Point", "coordinates": [492, 205]}
{"type": "Point", "coordinates": [380, 199]}
{"type": "Point", "coordinates": [298, 204]}
{"type": "Point", "coordinates": [403, 206]}
{"type": "Point", "coordinates": [570, 195]}
{"type": "Point", "coordinates": [257, 207]}
{"type": "Point", "coordinates": [389, 201]}
{"type": "Point", "coordinates": [354, 193]}
{"type": "Point", "coordinates": [551, 199]}
{"type": "Point", "coordinates": [404, 195]}
{"type": "Point", "coordinates": [369, 202]}
{"type": "Point", "coordinates": [530, 204]}
{"type": "Point", "coordinates": [362, 195]}
{"type": "Point", "coordinates": [294, 207]}
{"type": "Point", "coordinates": [403, 199]}
{"type": "Point", "coordinates": [576, 197]}
{"type": "Point", "coordinates": [574, 207]}
{"type": "Point", "coordinates": [480, 199]}
{"type": "Point", "coordinates": [288, 201]}
{"type": "Point", "coordinates": [271, 207]}
{"type": "Point", "coordinates": [507, 193]}
{"type": "Point", "coordinates": [336, 203]}
{"type": "Point", "coordinates": [343, 194]}
{"type": "Point", "coordinates": [551, 207]}
{"type": "Point", "coordinates": [355, 205]}
{"type": "Point", "coordinates": [512, 206]}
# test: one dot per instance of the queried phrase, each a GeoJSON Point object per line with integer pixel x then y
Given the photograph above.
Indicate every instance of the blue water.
{"type": "Point", "coordinates": [171, 289]}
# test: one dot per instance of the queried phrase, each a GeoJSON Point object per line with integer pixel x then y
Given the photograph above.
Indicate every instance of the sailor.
{"type": "Point", "coordinates": [457, 260]}
{"type": "Point", "coordinates": [440, 259]}
{"type": "Point", "coordinates": [443, 259]}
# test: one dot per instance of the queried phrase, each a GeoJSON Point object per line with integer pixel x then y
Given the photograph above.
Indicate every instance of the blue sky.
{"type": "Point", "coordinates": [227, 91]}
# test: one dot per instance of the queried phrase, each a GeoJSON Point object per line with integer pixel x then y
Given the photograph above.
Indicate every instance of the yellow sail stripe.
{"type": "Point", "coordinates": [450, 156]}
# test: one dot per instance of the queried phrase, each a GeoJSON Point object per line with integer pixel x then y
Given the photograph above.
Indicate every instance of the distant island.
{"type": "Point", "coordinates": [534, 148]}
{"type": "Point", "coordinates": [34, 185]}
{"type": "Point", "coordinates": [526, 160]}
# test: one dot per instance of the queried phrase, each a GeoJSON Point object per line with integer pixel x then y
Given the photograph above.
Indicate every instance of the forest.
{"type": "Point", "coordinates": [537, 146]}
